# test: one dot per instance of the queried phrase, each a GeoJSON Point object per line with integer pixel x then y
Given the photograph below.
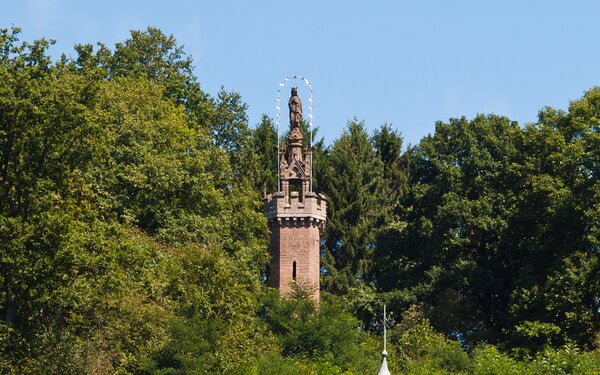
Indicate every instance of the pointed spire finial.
{"type": "Point", "coordinates": [383, 370]}
{"type": "Point", "coordinates": [384, 330]}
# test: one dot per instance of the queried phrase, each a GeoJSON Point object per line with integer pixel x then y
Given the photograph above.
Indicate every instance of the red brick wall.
{"type": "Point", "coordinates": [294, 241]}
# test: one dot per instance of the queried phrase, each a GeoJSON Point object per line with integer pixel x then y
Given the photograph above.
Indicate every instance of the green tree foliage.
{"type": "Point", "coordinates": [71, 274]}
{"type": "Point", "coordinates": [329, 336]}
{"type": "Point", "coordinates": [415, 347]}
{"type": "Point", "coordinates": [215, 329]}
{"type": "Point", "coordinates": [418, 348]}
{"type": "Point", "coordinates": [111, 191]}
{"type": "Point", "coordinates": [132, 237]}
{"type": "Point", "coordinates": [153, 55]}
{"type": "Point", "coordinates": [357, 206]}
{"type": "Point", "coordinates": [264, 138]}
{"type": "Point", "coordinates": [557, 301]}
{"type": "Point", "coordinates": [230, 133]}
{"type": "Point", "coordinates": [494, 234]}
{"type": "Point", "coordinates": [388, 147]}
{"type": "Point", "coordinates": [450, 248]}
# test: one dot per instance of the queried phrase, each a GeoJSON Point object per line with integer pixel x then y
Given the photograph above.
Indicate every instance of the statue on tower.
{"type": "Point", "coordinates": [295, 105]}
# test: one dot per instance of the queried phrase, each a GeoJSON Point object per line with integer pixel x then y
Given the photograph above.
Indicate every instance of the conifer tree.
{"type": "Point", "coordinates": [354, 183]}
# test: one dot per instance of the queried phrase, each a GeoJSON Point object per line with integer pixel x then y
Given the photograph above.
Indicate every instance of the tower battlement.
{"type": "Point", "coordinates": [312, 206]}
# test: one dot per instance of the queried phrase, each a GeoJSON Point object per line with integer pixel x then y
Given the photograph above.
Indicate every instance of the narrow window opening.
{"type": "Point", "coordinates": [266, 274]}
{"type": "Point", "coordinates": [294, 270]}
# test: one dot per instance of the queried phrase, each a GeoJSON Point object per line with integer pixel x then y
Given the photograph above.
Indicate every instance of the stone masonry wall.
{"type": "Point", "coordinates": [295, 241]}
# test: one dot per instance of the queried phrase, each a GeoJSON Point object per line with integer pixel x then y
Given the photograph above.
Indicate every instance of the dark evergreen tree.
{"type": "Point", "coordinates": [354, 183]}
{"type": "Point", "coordinates": [388, 147]}
{"type": "Point", "coordinates": [264, 138]}
{"type": "Point", "coordinates": [447, 248]}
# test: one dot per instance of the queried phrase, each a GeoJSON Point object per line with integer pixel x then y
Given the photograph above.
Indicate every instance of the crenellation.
{"type": "Point", "coordinates": [313, 205]}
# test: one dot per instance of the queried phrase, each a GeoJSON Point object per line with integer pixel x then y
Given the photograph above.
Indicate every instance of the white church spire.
{"type": "Point", "coordinates": [383, 370]}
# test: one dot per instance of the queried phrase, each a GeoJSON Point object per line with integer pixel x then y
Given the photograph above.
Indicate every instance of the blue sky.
{"type": "Point", "coordinates": [405, 63]}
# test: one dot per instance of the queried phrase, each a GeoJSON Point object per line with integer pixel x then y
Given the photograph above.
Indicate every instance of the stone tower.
{"type": "Point", "coordinates": [296, 215]}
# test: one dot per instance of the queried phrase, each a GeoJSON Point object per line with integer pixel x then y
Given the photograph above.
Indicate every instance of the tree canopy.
{"type": "Point", "coordinates": [132, 238]}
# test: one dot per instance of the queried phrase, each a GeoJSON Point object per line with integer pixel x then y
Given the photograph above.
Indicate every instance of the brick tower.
{"type": "Point", "coordinates": [296, 215]}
